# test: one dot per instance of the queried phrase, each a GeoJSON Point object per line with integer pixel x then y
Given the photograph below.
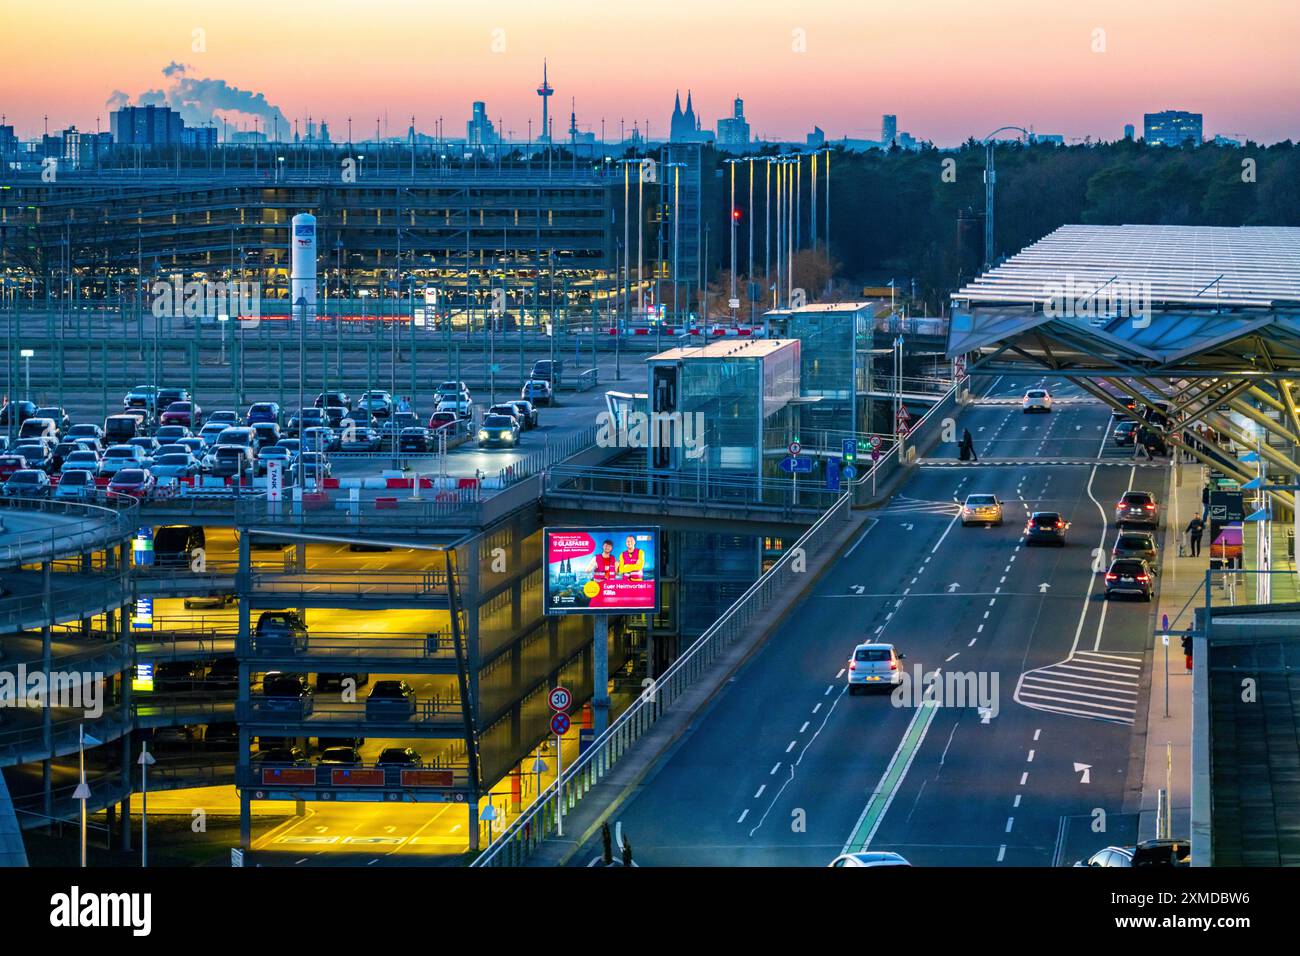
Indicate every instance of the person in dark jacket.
{"type": "Point", "coordinates": [1195, 533]}
{"type": "Point", "coordinates": [966, 450]}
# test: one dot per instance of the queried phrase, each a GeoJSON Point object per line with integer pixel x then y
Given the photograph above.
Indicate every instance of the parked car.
{"type": "Point", "coordinates": [390, 700]}
{"type": "Point", "coordinates": [869, 858]}
{"type": "Point", "coordinates": [80, 461]}
{"type": "Point", "coordinates": [280, 631]}
{"type": "Point", "coordinates": [1046, 527]}
{"type": "Point", "coordinates": [398, 757]}
{"type": "Point", "coordinates": [170, 434]}
{"type": "Point", "coordinates": [223, 673]}
{"type": "Point", "coordinates": [27, 483]}
{"type": "Point", "coordinates": [167, 397]}
{"type": "Point", "coordinates": [376, 404]}
{"type": "Point", "coordinates": [280, 757]}
{"type": "Point", "coordinates": [174, 546]}
{"type": "Point", "coordinates": [276, 452]}
{"type": "Point", "coordinates": [318, 438]}
{"type": "Point", "coordinates": [337, 417]}
{"type": "Point", "coordinates": [195, 445]}
{"type": "Point", "coordinates": [9, 464]}
{"type": "Point", "coordinates": [414, 439]}
{"type": "Point", "coordinates": [304, 418]}
{"type": "Point", "coordinates": [61, 453]}
{"type": "Point", "coordinates": [340, 757]}
{"type": "Point", "coordinates": [76, 486]}
{"type": "Point", "coordinates": [231, 461]}
{"type": "Point", "coordinates": [186, 413]}
{"type": "Point", "coordinates": [361, 438]}
{"type": "Point", "coordinates": [874, 665]}
{"type": "Point", "coordinates": [224, 417]}
{"type": "Point", "coordinates": [981, 509]}
{"type": "Point", "coordinates": [1130, 576]}
{"type": "Point", "coordinates": [39, 452]}
{"type": "Point", "coordinates": [121, 456]}
{"type": "Point", "coordinates": [313, 465]}
{"type": "Point", "coordinates": [536, 390]}
{"type": "Point", "coordinates": [335, 681]}
{"type": "Point", "coordinates": [287, 693]}
{"type": "Point", "coordinates": [38, 428]}
{"type": "Point", "coordinates": [148, 445]}
{"type": "Point", "coordinates": [264, 434]}
{"type": "Point", "coordinates": [56, 414]}
{"type": "Point", "coordinates": [122, 428]}
{"type": "Point", "coordinates": [1137, 507]}
{"type": "Point", "coordinates": [22, 410]}
{"type": "Point", "coordinates": [86, 431]}
{"type": "Point", "coordinates": [223, 735]}
{"type": "Point", "coordinates": [448, 420]}
{"type": "Point", "coordinates": [498, 431]}
{"type": "Point", "coordinates": [263, 412]}
{"type": "Point", "coordinates": [135, 482]}
{"type": "Point", "coordinates": [210, 432]}
{"type": "Point", "coordinates": [176, 465]}
{"type": "Point", "coordinates": [144, 397]}
{"type": "Point", "coordinates": [326, 399]}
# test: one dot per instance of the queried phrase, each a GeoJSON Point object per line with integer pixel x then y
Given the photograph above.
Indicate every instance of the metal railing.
{"type": "Point", "coordinates": [617, 486]}
{"type": "Point", "coordinates": [537, 823]}
{"type": "Point", "coordinates": [397, 647]}
{"type": "Point", "coordinates": [76, 528]}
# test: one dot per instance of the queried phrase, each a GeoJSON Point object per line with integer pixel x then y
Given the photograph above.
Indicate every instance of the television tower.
{"type": "Point", "coordinates": [545, 92]}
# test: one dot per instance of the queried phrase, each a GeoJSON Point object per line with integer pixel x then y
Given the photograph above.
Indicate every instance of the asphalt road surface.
{"type": "Point", "coordinates": [786, 768]}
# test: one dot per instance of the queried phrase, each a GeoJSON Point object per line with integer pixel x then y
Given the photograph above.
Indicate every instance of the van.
{"type": "Point", "coordinates": [120, 429]}
{"type": "Point", "coordinates": [39, 428]}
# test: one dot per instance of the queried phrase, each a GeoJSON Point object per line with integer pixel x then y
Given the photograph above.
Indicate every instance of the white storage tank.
{"type": "Point", "coordinates": [302, 263]}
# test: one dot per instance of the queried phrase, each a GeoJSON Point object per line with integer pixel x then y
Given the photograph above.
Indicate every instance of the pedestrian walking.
{"type": "Point", "coordinates": [1195, 534]}
{"type": "Point", "coordinates": [968, 446]}
{"type": "Point", "coordinates": [1205, 500]}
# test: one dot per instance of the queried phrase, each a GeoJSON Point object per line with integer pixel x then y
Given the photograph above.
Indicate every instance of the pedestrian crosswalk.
{"type": "Point", "coordinates": [1089, 684]}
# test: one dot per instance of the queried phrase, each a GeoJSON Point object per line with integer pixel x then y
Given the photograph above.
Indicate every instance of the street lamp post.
{"type": "Point", "coordinates": [145, 761]}
{"type": "Point", "coordinates": [82, 793]}
{"type": "Point", "coordinates": [27, 371]}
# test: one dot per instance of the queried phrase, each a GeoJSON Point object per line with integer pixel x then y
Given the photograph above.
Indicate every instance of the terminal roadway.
{"type": "Point", "coordinates": [786, 768]}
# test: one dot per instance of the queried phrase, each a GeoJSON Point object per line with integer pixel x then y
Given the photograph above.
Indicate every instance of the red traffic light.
{"type": "Point", "coordinates": [735, 215]}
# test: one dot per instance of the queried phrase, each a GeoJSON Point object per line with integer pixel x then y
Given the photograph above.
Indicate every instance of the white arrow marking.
{"type": "Point", "coordinates": [1042, 588]}
{"type": "Point", "coordinates": [1083, 768]}
{"type": "Point", "coordinates": [906, 526]}
{"type": "Point", "coordinates": [952, 587]}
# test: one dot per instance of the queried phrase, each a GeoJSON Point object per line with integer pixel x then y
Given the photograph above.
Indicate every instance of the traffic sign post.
{"type": "Point", "coordinates": [560, 699]}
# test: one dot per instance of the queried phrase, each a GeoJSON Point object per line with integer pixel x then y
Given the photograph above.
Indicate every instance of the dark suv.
{"type": "Point", "coordinates": [1137, 544]}
{"type": "Point", "coordinates": [278, 632]}
{"type": "Point", "coordinates": [289, 694]}
{"type": "Point", "coordinates": [1046, 527]}
{"type": "Point", "coordinates": [1137, 507]}
{"type": "Point", "coordinates": [1129, 576]}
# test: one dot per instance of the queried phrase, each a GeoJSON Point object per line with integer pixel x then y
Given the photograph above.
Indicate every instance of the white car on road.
{"type": "Point", "coordinates": [1037, 400]}
{"type": "Point", "coordinates": [875, 665]}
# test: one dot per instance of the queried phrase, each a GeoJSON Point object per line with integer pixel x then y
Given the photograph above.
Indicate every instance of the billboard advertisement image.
{"type": "Point", "coordinates": [601, 570]}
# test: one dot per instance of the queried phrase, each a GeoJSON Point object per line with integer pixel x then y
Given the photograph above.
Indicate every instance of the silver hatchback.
{"type": "Point", "coordinates": [875, 665]}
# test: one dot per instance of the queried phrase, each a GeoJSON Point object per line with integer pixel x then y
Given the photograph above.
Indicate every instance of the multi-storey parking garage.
{"type": "Point", "coordinates": [65, 653]}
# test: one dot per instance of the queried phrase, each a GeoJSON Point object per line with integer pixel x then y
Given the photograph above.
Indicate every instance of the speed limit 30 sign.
{"type": "Point", "coordinates": [560, 699]}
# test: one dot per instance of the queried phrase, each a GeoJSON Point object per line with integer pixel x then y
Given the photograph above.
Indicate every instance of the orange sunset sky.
{"type": "Point", "coordinates": [948, 68]}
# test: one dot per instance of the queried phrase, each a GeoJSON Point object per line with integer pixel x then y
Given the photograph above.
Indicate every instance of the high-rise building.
{"type": "Point", "coordinates": [479, 131]}
{"type": "Point", "coordinates": [734, 130]}
{"type": "Point", "coordinates": [1128, 131]}
{"type": "Point", "coordinates": [147, 126]}
{"type": "Point", "coordinates": [1172, 127]}
{"type": "Point", "coordinates": [816, 139]}
{"type": "Point", "coordinates": [888, 129]}
{"type": "Point", "coordinates": [8, 141]}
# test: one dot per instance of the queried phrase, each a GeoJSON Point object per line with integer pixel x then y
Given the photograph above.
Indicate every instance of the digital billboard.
{"type": "Point", "coordinates": [601, 570]}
